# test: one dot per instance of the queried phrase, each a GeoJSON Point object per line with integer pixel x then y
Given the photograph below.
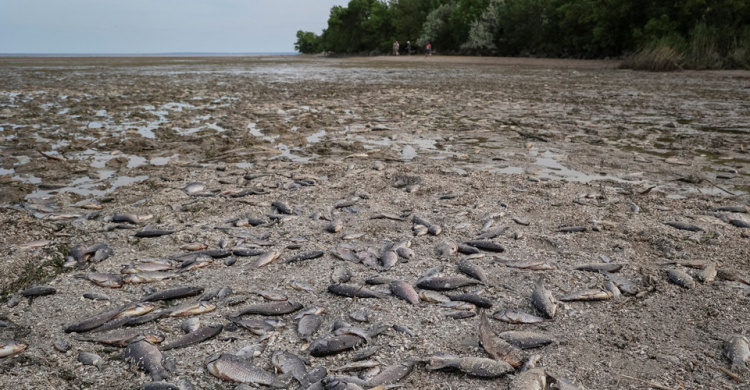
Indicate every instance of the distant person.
{"type": "Point", "coordinates": [395, 48]}
{"type": "Point", "coordinates": [408, 47]}
{"type": "Point", "coordinates": [429, 50]}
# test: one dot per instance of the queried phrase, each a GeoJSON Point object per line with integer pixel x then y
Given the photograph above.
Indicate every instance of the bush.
{"type": "Point", "coordinates": [703, 52]}
{"type": "Point", "coordinates": [661, 58]}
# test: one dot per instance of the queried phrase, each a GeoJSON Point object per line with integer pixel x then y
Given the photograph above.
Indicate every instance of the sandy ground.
{"type": "Point", "coordinates": [520, 148]}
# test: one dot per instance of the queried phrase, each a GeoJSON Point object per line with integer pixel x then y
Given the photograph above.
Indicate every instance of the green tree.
{"type": "Point", "coordinates": [307, 42]}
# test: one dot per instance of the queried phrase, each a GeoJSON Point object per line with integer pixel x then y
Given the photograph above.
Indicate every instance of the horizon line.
{"type": "Point", "coordinates": [179, 53]}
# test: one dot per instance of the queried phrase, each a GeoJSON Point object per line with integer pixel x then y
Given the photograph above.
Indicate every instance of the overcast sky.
{"type": "Point", "coordinates": [158, 26]}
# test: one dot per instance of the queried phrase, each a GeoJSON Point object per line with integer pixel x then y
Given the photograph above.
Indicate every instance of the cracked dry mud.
{"type": "Point", "coordinates": [533, 145]}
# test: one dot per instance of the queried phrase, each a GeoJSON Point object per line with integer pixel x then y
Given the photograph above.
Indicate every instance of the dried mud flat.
{"type": "Point", "coordinates": [531, 145]}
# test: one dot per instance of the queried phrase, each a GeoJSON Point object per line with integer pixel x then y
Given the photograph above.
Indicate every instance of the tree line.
{"type": "Point", "coordinates": [679, 33]}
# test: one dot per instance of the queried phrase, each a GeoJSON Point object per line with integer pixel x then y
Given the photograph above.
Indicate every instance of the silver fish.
{"type": "Point", "coordinates": [472, 270]}
{"type": "Point", "coordinates": [146, 356]}
{"type": "Point", "coordinates": [308, 325]}
{"type": "Point", "coordinates": [474, 366]}
{"type": "Point", "coordinates": [588, 295]}
{"type": "Point", "coordinates": [341, 274]}
{"type": "Point", "coordinates": [11, 348]}
{"type": "Point", "coordinates": [89, 359]}
{"type": "Point", "coordinates": [681, 278]}
{"type": "Point", "coordinates": [289, 363]}
{"type": "Point", "coordinates": [543, 300]}
{"type": "Point", "coordinates": [195, 337]}
{"type": "Point", "coordinates": [525, 340]}
{"type": "Point", "coordinates": [265, 259]}
{"type": "Point", "coordinates": [236, 369]}
{"type": "Point", "coordinates": [405, 291]}
{"type": "Point", "coordinates": [496, 347]}
{"type": "Point", "coordinates": [533, 379]}
{"type": "Point", "coordinates": [445, 283]}
{"type": "Point", "coordinates": [271, 308]}
{"type": "Point", "coordinates": [392, 374]}
{"type": "Point", "coordinates": [738, 352]}
{"type": "Point", "coordinates": [335, 226]}
{"type": "Point", "coordinates": [708, 273]}
{"type": "Point", "coordinates": [625, 285]}
{"type": "Point", "coordinates": [388, 259]}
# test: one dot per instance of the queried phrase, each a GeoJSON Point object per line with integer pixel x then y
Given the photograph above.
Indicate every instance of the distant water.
{"type": "Point", "coordinates": [187, 54]}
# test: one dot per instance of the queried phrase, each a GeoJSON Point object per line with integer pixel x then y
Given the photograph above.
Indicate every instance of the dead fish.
{"type": "Point", "coordinates": [194, 188]}
{"type": "Point", "coordinates": [173, 293]}
{"type": "Point", "coordinates": [446, 283]}
{"type": "Point", "coordinates": [625, 285]}
{"type": "Point", "coordinates": [38, 291]}
{"type": "Point", "coordinates": [345, 253]}
{"type": "Point", "coordinates": [189, 309]}
{"type": "Point", "coordinates": [251, 351]}
{"type": "Point", "coordinates": [526, 340]}
{"type": "Point", "coordinates": [496, 347]}
{"type": "Point", "coordinates": [341, 274]}
{"type": "Point", "coordinates": [102, 279]}
{"type": "Point", "coordinates": [405, 253]}
{"type": "Point", "coordinates": [531, 362]}
{"type": "Point", "coordinates": [532, 379]}
{"type": "Point", "coordinates": [486, 246]}
{"type": "Point", "coordinates": [291, 364]}
{"type": "Point", "coordinates": [272, 295]}
{"type": "Point", "coordinates": [62, 345]}
{"type": "Point", "coordinates": [613, 289]}
{"type": "Point", "coordinates": [256, 326]}
{"type": "Point", "coordinates": [516, 317]}
{"type": "Point", "coordinates": [335, 226]}
{"type": "Point", "coordinates": [433, 296]}
{"type": "Point", "coordinates": [573, 229]}
{"type": "Point", "coordinates": [147, 357]}
{"type": "Point", "coordinates": [543, 300]}
{"type": "Point", "coordinates": [420, 230]}
{"type": "Point", "coordinates": [683, 226]}
{"type": "Point", "coordinates": [474, 271]}
{"type": "Point", "coordinates": [365, 353]}
{"type": "Point", "coordinates": [195, 337]}
{"type": "Point", "coordinates": [392, 217]}
{"type": "Point", "coordinates": [708, 273]}
{"type": "Point", "coordinates": [351, 291]}
{"type": "Point", "coordinates": [461, 314]}
{"type": "Point", "coordinates": [302, 286]}
{"type": "Point", "coordinates": [308, 325]}
{"type": "Point", "coordinates": [190, 325]}
{"type": "Point", "coordinates": [305, 256]}
{"type": "Point", "coordinates": [467, 249]}
{"type": "Point", "coordinates": [608, 267]}
{"type": "Point", "coordinates": [34, 244]}
{"type": "Point", "coordinates": [388, 260]}
{"type": "Point", "coordinates": [406, 292]}
{"type": "Point", "coordinates": [271, 308]}
{"type": "Point", "coordinates": [147, 277]}
{"type": "Point", "coordinates": [587, 295]}
{"type": "Point", "coordinates": [148, 232]}
{"type": "Point", "coordinates": [740, 223]}
{"type": "Point", "coordinates": [137, 309]}
{"type": "Point", "coordinates": [357, 365]}
{"type": "Point", "coordinates": [403, 329]}
{"type": "Point", "coordinates": [681, 278]}
{"type": "Point", "coordinates": [146, 267]}
{"type": "Point", "coordinates": [447, 248]}
{"type": "Point", "coordinates": [392, 374]}
{"type": "Point", "coordinates": [471, 298]}
{"type": "Point", "coordinates": [420, 221]}
{"type": "Point", "coordinates": [94, 321]}
{"type": "Point", "coordinates": [434, 230]}
{"type": "Point", "coordinates": [11, 348]}
{"type": "Point", "coordinates": [332, 344]}
{"type": "Point", "coordinates": [89, 359]}
{"type": "Point", "coordinates": [265, 259]}
{"type": "Point", "coordinates": [738, 352]}
{"type": "Point", "coordinates": [359, 315]}
{"type": "Point", "coordinates": [122, 338]}
{"type": "Point", "coordinates": [474, 366]}
{"type": "Point", "coordinates": [532, 264]}
{"type": "Point", "coordinates": [282, 208]}
{"type": "Point", "coordinates": [236, 369]}
{"type": "Point", "coordinates": [434, 271]}
{"type": "Point", "coordinates": [521, 221]}
{"type": "Point", "coordinates": [247, 252]}
{"type": "Point", "coordinates": [378, 279]}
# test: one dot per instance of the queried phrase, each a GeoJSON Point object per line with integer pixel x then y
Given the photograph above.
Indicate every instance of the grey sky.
{"type": "Point", "coordinates": [158, 26]}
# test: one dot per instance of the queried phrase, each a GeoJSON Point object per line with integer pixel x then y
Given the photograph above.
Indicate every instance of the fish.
{"type": "Point", "coordinates": [683, 226]}
{"type": "Point", "coordinates": [738, 352]}
{"type": "Point", "coordinates": [435, 230]}
{"type": "Point", "coordinates": [448, 248]}
{"type": "Point", "coordinates": [468, 268]}
{"type": "Point", "coordinates": [352, 291]}
{"type": "Point", "coordinates": [102, 279]}
{"type": "Point", "coordinates": [708, 273]}
{"type": "Point", "coordinates": [392, 374]}
{"type": "Point", "coordinates": [256, 326]}
{"type": "Point", "coordinates": [446, 283]}
{"type": "Point", "coordinates": [189, 309]}
{"type": "Point", "coordinates": [609, 267]}
{"type": "Point", "coordinates": [247, 252]}
{"type": "Point", "coordinates": [346, 254]}
{"type": "Point", "coordinates": [94, 321]}
{"type": "Point", "coordinates": [359, 315]}
{"type": "Point", "coordinates": [405, 253]}
{"type": "Point", "coordinates": [265, 259]}
{"type": "Point", "coordinates": [149, 266]}
{"type": "Point", "coordinates": [289, 363]}
{"type": "Point", "coordinates": [147, 277]}
{"type": "Point", "coordinates": [173, 293]}
{"type": "Point", "coordinates": [272, 295]}
{"type": "Point", "coordinates": [473, 366]}
{"type": "Point", "coordinates": [533, 379]}
{"type": "Point", "coordinates": [625, 285]}
{"type": "Point", "coordinates": [195, 337]}
{"type": "Point", "coordinates": [62, 345]}
{"type": "Point", "coordinates": [149, 232]}
{"type": "Point", "coordinates": [89, 359]}
{"type": "Point", "coordinates": [365, 353]}
{"type": "Point", "coordinates": [341, 274]}
{"type": "Point", "coordinates": [122, 338]}
{"type": "Point", "coordinates": [308, 325]}
{"type": "Point", "coordinates": [11, 348]}
{"type": "Point", "coordinates": [434, 271]}
{"type": "Point", "coordinates": [282, 208]}
{"type": "Point", "coordinates": [486, 246]}
{"type": "Point", "coordinates": [587, 295]}
{"type": "Point", "coordinates": [496, 347]}
{"type": "Point", "coordinates": [304, 256]}
{"type": "Point", "coordinates": [137, 309]}
{"type": "Point", "coordinates": [331, 344]}
{"type": "Point", "coordinates": [471, 298]}
{"type": "Point", "coordinates": [190, 325]}
{"type": "Point", "coordinates": [739, 223]}
{"type": "Point", "coordinates": [388, 259]}
{"type": "Point", "coordinates": [357, 365]}
{"type": "Point", "coordinates": [461, 314]}
{"type": "Point", "coordinates": [543, 300]}
{"type": "Point", "coordinates": [467, 249]}
{"type": "Point", "coordinates": [526, 340]}
{"type": "Point", "coordinates": [406, 292]}
{"type": "Point", "coordinates": [194, 188]}
{"type": "Point", "coordinates": [147, 357]}
{"type": "Point", "coordinates": [681, 278]}
{"type": "Point", "coordinates": [433, 296]}
{"type": "Point", "coordinates": [271, 308]}
{"type": "Point", "coordinates": [38, 291]}
{"type": "Point", "coordinates": [236, 369]}
{"type": "Point", "coordinates": [573, 229]}
{"type": "Point", "coordinates": [420, 230]}
{"type": "Point", "coordinates": [335, 226]}
{"type": "Point", "coordinates": [251, 351]}
{"type": "Point", "coordinates": [613, 289]}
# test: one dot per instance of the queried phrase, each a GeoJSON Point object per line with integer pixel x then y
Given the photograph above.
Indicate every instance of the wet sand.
{"type": "Point", "coordinates": [457, 141]}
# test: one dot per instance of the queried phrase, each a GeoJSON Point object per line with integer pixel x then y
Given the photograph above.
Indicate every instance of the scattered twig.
{"type": "Point", "coordinates": [652, 384]}
{"type": "Point", "coordinates": [712, 183]}
{"type": "Point", "coordinates": [731, 374]}
{"type": "Point", "coordinates": [51, 157]}
{"type": "Point", "coordinates": [647, 190]}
